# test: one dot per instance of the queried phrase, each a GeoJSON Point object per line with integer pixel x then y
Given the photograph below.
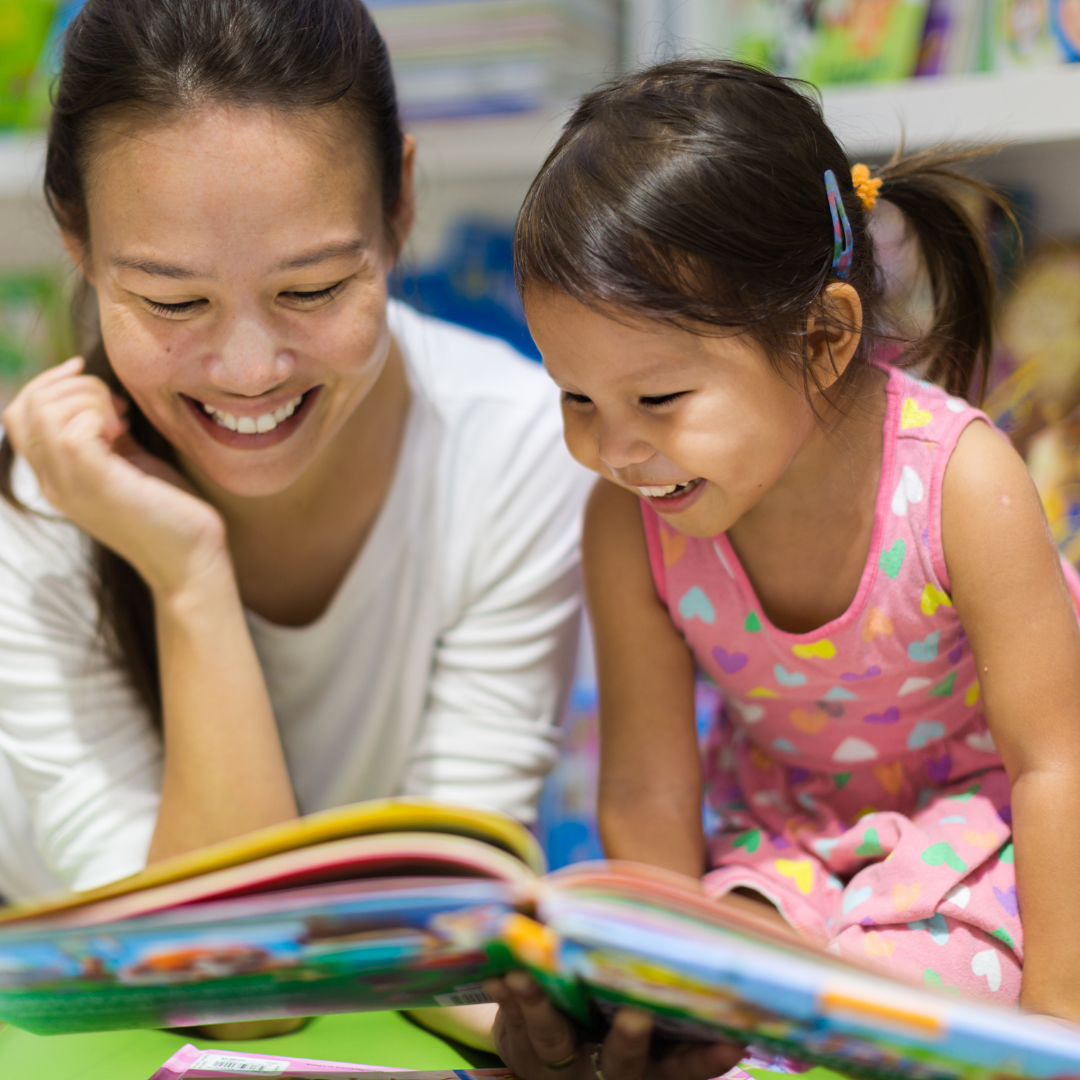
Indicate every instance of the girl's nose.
{"type": "Point", "coordinates": [248, 360]}
{"type": "Point", "coordinates": [621, 448]}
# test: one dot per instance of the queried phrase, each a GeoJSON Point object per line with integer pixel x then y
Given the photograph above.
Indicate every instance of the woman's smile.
{"type": "Point", "coordinates": [253, 426]}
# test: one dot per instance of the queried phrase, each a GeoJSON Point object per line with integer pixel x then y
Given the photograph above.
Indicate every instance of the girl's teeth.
{"type": "Point", "coordinates": [657, 492]}
{"type": "Point", "coordinates": [252, 425]}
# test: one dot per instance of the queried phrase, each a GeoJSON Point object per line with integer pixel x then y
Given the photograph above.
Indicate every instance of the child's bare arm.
{"type": "Point", "coordinates": [1012, 599]}
{"type": "Point", "coordinates": [650, 771]}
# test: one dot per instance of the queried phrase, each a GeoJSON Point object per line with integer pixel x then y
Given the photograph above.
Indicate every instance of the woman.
{"type": "Point", "coordinates": [277, 544]}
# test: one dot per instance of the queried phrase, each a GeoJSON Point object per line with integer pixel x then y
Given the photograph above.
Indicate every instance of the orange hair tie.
{"type": "Point", "coordinates": [866, 186]}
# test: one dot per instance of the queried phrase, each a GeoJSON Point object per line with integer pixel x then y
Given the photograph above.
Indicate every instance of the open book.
{"type": "Point", "coordinates": [400, 903]}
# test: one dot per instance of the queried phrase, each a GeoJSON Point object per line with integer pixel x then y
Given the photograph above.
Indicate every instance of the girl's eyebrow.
{"type": "Point", "coordinates": [336, 250]}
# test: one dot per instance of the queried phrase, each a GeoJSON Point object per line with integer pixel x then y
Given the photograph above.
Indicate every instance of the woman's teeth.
{"type": "Point", "coordinates": [659, 492]}
{"type": "Point", "coordinates": [252, 425]}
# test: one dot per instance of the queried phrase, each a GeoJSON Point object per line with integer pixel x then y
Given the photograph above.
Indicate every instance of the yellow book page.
{"type": "Point", "coordinates": [357, 819]}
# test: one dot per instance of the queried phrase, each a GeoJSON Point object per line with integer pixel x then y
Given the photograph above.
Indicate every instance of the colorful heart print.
{"type": "Point", "coordinates": [943, 688]}
{"type": "Point", "coordinates": [750, 713]}
{"type": "Point", "coordinates": [785, 746]}
{"type": "Point", "coordinates": [877, 624]}
{"type": "Point", "coordinates": [988, 840]}
{"type": "Point", "coordinates": [987, 965]}
{"type": "Point", "coordinates": [909, 490]}
{"type": "Point", "coordinates": [912, 415]}
{"type": "Point", "coordinates": [892, 560]}
{"type": "Point", "coordinates": [1007, 899]}
{"type": "Point", "coordinates": [913, 683]}
{"type": "Point", "coordinates": [942, 854]}
{"type": "Point", "coordinates": [696, 605]}
{"type": "Point", "coordinates": [672, 546]}
{"type": "Point", "coordinates": [933, 598]}
{"type": "Point", "coordinates": [903, 896]}
{"type": "Point", "coordinates": [801, 871]}
{"type": "Point", "coordinates": [854, 897]}
{"type": "Point", "coordinates": [750, 840]}
{"type": "Point", "coordinates": [939, 769]}
{"type": "Point", "coordinates": [924, 733]}
{"type": "Point", "coordinates": [811, 723]}
{"type": "Point", "coordinates": [877, 946]}
{"type": "Point", "coordinates": [872, 672]}
{"type": "Point", "coordinates": [891, 715]}
{"type": "Point", "coordinates": [853, 750]}
{"type": "Point", "coordinates": [823, 650]}
{"type": "Point", "coordinates": [838, 693]}
{"type": "Point", "coordinates": [935, 926]}
{"type": "Point", "coordinates": [730, 663]}
{"type": "Point", "coordinates": [925, 651]}
{"type": "Point", "coordinates": [752, 622]}
{"type": "Point", "coordinates": [890, 776]}
{"type": "Point", "coordinates": [788, 678]}
{"type": "Point", "coordinates": [960, 895]}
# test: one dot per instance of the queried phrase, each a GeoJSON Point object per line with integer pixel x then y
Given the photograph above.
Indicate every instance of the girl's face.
{"type": "Point", "coordinates": [240, 261]}
{"type": "Point", "coordinates": [701, 426]}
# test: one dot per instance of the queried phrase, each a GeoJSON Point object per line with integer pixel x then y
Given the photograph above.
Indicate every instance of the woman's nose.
{"type": "Point", "coordinates": [248, 360]}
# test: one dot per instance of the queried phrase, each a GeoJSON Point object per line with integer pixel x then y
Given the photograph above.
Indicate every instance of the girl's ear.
{"type": "Point", "coordinates": [833, 333]}
{"type": "Point", "coordinates": [77, 249]}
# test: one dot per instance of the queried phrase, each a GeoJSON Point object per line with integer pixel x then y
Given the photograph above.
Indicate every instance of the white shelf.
{"type": "Point", "coordinates": [486, 148]}
{"type": "Point", "coordinates": [22, 165]}
{"type": "Point", "coordinates": [1022, 107]}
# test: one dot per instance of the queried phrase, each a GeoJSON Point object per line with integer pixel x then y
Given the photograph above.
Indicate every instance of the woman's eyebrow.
{"type": "Point", "coordinates": [336, 250]}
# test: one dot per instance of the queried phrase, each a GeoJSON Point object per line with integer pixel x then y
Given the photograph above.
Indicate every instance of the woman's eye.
{"type": "Point", "coordinates": [661, 399]}
{"type": "Point", "coordinates": [172, 311]}
{"type": "Point", "coordinates": [314, 297]}
{"type": "Point", "coordinates": [575, 399]}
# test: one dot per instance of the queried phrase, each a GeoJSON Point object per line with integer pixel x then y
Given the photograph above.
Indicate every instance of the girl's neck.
{"type": "Point", "coordinates": [804, 545]}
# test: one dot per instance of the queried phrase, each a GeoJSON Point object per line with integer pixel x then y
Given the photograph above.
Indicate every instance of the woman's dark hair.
{"type": "Point", "coordinates": [161, 57]}
{"type": "Point", "coordinates": [694, 192]}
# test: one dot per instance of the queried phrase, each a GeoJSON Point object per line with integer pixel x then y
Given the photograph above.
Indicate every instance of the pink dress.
{"type": "Point", "coordinates": [852, 779]}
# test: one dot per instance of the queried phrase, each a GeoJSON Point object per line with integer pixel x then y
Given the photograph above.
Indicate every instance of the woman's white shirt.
{"type": "Point", "coordinates": [438, 669]}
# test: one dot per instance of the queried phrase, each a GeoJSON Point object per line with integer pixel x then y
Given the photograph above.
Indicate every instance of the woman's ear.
{"type": "Point", "coordinates": [79, 253]}
{"type": "Point", "coordinates": [405, 212]}
{"type": "Point", "coordinates": [833, 333]}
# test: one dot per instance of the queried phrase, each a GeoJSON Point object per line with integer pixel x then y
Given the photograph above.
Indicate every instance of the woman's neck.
{"type": "Point", "coordinates": [292, 550]}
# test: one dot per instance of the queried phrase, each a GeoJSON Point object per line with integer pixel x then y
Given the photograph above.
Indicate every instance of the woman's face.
{"type": "Point", "coordinates": [240, 261]}
{"type": "Point", "coordinates": [701, 426]}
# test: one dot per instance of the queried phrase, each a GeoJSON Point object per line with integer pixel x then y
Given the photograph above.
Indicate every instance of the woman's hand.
{"type": "Point", "coordinates": [73, 433]}
{"type": "Point", "coordinates": [538, 1043]}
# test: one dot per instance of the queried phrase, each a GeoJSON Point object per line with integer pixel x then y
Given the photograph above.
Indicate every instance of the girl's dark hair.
{"type": "Point", "coordinates": [161, 57]}
{"type": "Point", "coordinates": [694, 192]}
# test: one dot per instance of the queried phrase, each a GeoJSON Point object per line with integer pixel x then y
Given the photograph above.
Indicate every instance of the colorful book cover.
{"type": "Point", "coordinates": [397, 917]}
{"type": "Point", "coordinates": [863, 41]}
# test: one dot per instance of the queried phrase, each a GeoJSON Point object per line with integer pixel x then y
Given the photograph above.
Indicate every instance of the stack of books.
{"type": "Point", "coordinates": [458, 58]}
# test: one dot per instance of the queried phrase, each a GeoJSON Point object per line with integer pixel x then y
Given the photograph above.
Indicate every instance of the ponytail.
{"type": "Point", "coordinates": [955, 351]}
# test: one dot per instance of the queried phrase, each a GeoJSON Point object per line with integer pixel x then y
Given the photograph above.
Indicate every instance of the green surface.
{"type": "Point", "coordinates": [376, 1038]}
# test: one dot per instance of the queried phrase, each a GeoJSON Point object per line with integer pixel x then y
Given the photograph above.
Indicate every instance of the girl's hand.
{"type": "Point", "coordinates": [538, 1043]}
{"type": "Point", "coordinates": [72, 431]}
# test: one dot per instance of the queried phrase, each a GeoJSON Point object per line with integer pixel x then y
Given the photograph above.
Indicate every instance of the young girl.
{"type": "Point", "coordinates": [853, 554]}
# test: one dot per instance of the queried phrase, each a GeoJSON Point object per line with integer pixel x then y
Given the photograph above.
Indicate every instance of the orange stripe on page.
{"type": "Point", "coordinates": [832, 1002]}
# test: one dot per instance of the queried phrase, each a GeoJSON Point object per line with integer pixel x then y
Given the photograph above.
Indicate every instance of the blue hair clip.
{"type": "Point", "coordinates": [843, 243]}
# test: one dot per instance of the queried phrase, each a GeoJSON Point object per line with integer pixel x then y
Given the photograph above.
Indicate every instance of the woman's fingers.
{"type": "Point", "coordinates": [551, 1034]}
{"type": "Point", "coordinates": [692, 1061]}
{"type": "Point", "coordinates": [625, 1053]}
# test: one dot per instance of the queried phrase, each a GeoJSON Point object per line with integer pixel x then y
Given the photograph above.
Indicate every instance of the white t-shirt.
{"type": "Point", "coordinates": [438, 669]}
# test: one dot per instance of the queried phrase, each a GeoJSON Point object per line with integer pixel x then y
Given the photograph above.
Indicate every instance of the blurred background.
{"type": "Point", "coordinates": [483, 85]}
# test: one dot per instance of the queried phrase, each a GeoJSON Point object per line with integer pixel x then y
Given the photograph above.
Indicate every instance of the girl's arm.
{"type": "Point", "coordinates": [650, 769]}
{"type": "Point", "coordinates": [1011, 597]}
{"type": "Point", "coordinates": [224, 771]}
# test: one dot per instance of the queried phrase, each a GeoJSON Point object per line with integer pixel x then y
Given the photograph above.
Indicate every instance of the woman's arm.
{"type": "Point", "coordinates": [224, 771]}
{"type": "Point", "coordinates": [1011, 597]}
{"type": "Point", "coordinates": [650, 768]}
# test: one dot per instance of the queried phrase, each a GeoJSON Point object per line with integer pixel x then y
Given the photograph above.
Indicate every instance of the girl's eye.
{"type": "Point", "coordinates": [575, 399]}
{"type": "Point", "coordinates": [315, 297]}
{"type": "Point", "coordinates": [661, 399]}
{"type": "Point", "coordinates": [172, 311]}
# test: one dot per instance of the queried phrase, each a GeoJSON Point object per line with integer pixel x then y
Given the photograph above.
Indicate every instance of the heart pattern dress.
{"type": "Point", "coordinates": [851, 778]}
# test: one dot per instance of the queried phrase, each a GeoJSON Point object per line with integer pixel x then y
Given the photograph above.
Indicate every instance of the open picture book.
{"type": "Point", "coordinates": [400, 903]}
